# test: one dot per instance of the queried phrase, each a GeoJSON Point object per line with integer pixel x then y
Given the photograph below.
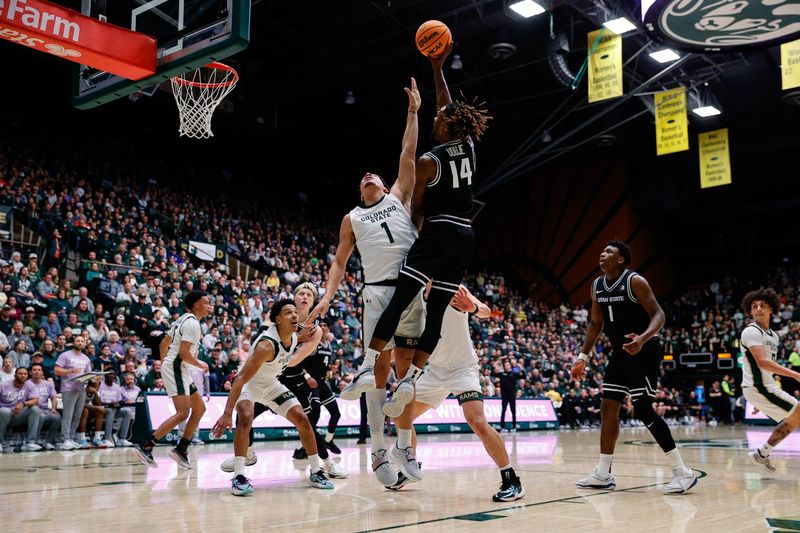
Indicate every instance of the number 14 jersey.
{"type": "Point", "coordinates": [384, 233]}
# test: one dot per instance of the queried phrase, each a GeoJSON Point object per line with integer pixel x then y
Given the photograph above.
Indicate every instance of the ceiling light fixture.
{"type": "Point", "coordinates": [666, 55]}
{"type": "Point", "coordinates": [456, 64]}
{"type": "Point", "coordinates": [620, 25]}
{"type": "Point", "coordinates": [706, 111]}
{"type": "Point", "coordinates": [526, 8]}
{"type": "Point", "coordinates": [350, 99]}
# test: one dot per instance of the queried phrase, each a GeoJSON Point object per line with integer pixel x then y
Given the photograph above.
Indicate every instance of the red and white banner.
{"type": "Point", "coordinates": [66, 33]}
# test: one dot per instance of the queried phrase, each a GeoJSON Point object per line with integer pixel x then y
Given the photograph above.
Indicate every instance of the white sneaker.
{"type": "Point", "coordinates": [97, 443]}
{"type": "Point", "coordinates": [49, 446]}
{"type": "Point", "coordinates": [250, 459]}
{"type": "Point", "coordinates": [124, 443]}
{"type": "Point", "coordinates": [403, 394]}
{"type": "Point", "coordinates": [334, 470]}
{"type": "Point", "coordinates": [681, 484]}
{"type": "Point", "coordinates": [363, 381]}
{"type": "Point", "coordinates": [596, 480]}
{"type": "Point", "coordinates": [406, 461]}
{"type": "Point", "coordinates": [383, 470]}
{"type": "Point", "coordinates": [107, 443]}
{"type": "Point", "coordinates": [762, 460]}
{"type": "Point", "coordinates": [30, 447]}
{"type": "Point", "coordinates": [68, 445]}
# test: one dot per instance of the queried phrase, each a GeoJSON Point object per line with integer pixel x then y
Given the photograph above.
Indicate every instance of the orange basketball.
{"type": "Point", "coordinates": [432, 38]}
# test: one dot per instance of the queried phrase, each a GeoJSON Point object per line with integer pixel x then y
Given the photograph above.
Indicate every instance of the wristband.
{"type": "Point", "coordinates": [583, 357]}
{"type": "Point", "coordinates": [306, 375]}
{"type": "Point", "coordinates": [477, 309]}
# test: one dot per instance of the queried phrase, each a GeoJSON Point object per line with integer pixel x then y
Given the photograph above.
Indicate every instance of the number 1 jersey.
{"type": "Point", "coordinates": [384, 233]}
{"type": "Point", "coordinates": [622, 312]}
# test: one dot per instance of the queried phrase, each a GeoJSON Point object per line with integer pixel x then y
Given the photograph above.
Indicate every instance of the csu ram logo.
{"type": "Point", "coordinates": [723, 24]}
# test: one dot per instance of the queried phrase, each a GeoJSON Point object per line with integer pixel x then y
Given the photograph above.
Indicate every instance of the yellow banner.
{"type": "Point", "coordinates": [672, 126]}
{"type": "Point", "coordinates": [790, 64]}
{"type": "Point", "coordinates": [605, 66]}
{"type": "Point", "coordinates": [715, 161]}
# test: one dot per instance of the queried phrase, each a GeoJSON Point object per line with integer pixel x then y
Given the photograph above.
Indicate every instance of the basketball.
{"type": "Point", "coordinates": [432, 38]}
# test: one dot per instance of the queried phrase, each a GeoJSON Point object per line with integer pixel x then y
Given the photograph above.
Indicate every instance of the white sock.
{"type": "Point", "coordinates": [238, 466]}
{"type": "Point", "coordinates": [413, 373]}
{"type": "Point", "coordinates": [370, 357]}
{"type": "Point", "coordinates": [375, 400]}
{"type": "Point", "coordinates": [765, 449]}
{"type": "Point", "coordinates": [81, 436]}
{"type": "Point", "coordinates": [604, 464]}
{"type": "Point", "coordinates": [313, 462]}
{"type": "Point", "coordinates": [328, 437]}
{"type": "Point", "coordinates": [403, 438]}
{"type": "Point", "coordinates": [676, 461]}
{"type": "Point", "coordinates": [98, 435]}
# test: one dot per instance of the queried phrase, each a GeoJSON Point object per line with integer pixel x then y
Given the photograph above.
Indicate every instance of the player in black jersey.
{"type": "Point", "coordinates": [315, 369]}
{"type": "Point", "coordinates": [443, 198]}
{"type": "Point", "coordinates": [624, 306]}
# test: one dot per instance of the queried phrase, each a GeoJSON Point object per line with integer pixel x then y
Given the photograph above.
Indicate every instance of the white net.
{"type": "Point", "coordinates": [198, 93]}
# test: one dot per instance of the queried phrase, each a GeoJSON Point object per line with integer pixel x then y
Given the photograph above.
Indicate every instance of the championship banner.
{"type": "Point", "coordinates": [715, 162]}
{"type": "Point", "coordinates": [672, 126]}
{"type": "Point", "coordinates": [605, 66]}
{"type": "Point", "coordinates": [6, 221]}
{"type": "Point", "coordinates": [790, 65]}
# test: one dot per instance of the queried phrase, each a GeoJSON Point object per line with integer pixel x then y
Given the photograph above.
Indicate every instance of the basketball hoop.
{"type": "Point", "coordinates": [198, 93]}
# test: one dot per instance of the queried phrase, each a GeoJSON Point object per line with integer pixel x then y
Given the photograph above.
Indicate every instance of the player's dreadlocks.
{"type": "Point", "coordinates": [464, 119]}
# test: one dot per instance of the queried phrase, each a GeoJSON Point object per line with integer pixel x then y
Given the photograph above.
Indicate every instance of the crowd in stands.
{"type": "Point", "coordinates": [132, 267]}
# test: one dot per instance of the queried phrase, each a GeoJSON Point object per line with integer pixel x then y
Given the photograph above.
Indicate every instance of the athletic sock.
{"type": "Point", "coordinates": [238, 466]}
{"type": "Point", "coordinates": [403, 438]}
{"type": "Point", "coordinates": [151, 441]}
{"type": "Point", "coordinates": [604, 463]}
{"type": "Point", "coordinates": [328, 437]}
{"type": "Point", "coordinates": [507, 473]}
{"type": "Point", "coordinates": [183, 445]}
{"type": "Point", "coordinates": [413, 373]}
{"type": "Point", "coordinates": [765, 449]}
{"type": "Point", "coordinates": [375, 400]}
{"type": "Point", "coordinates": [313, 462]}
{"type": "Point", "coordinates": [80, 435]}
{"type": "Point", "coordinates": [370, 357]}
{"type": "Point", "coordinates": [676, 461]}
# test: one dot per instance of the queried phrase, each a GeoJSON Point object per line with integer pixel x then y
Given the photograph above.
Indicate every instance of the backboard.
{"type": "Point", "coordinates": [190, 33]}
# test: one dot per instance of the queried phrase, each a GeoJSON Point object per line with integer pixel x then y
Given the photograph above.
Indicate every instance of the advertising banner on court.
{"type": "Point", "coordinates": [715, 161]}
{"type": "Point", "coordinates": [790, 65]}
{"type": "Point", "coordinates": [672, 126]}
{"type": "Point", "coordinates": [605, 66]}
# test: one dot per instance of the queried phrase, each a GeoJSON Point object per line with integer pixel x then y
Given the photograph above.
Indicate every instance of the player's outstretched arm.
{"type": "Point", "coordinates": [466, 302]}
{"type": "Point", "coordinates": [403, 186]}
{"type": "Point", "coordinates": [306, 349]}
{"type": "Point", "coordinates": [643, 293]}
{"type": "Point", "coordinates": [347, 241]}
{"type": "Point", "coordinates": [765, 362]}
{"type": "Point", "coordinates": [593, 329]}
{"type": "Point", "coordinates": [442, 92]}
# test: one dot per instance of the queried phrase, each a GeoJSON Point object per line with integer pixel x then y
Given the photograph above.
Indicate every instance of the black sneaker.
{"type": "Point", "coordinates": [145, 455]}
{"type": "Point", "coordinates": [510, 491]}
{"type": "Point", "coordinates": [361, 441]}
{"type": "Point", "coordinates": [333, 448]}
{"type": "Point", "coordinates": [300, 453]}
{"type": "Point", "coordinates": [181, 458]}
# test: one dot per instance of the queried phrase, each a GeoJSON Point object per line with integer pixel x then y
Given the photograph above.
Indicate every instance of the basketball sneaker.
{"type": "Point", "coordinates": [402, 481]}
{"type": "Point", "coordinates": [145, 455]}
{"type": "Point", "coordinates": [249, 460]}
{"type": "Point", "coordinates": [300, 453]}
{"type": "Point", "coordinates": [363, 381]}
{"type": "Point", "coordinates": [105, 443]}
{"type": "Point", "coordinates": [240, 486]}
{"type": "Point", "coordinates": [403, 394]}
{"type": "Point", "coordinates": [333, 448]}
{"type": "Point", "coordinates": [97, 443]}
{"type": "Point", "coordinates": [597, 480]}
{"type": "Point", "coordinates": [763, 460]}
{"type": "Point", "coordinates": [124, 443]}
{"type": "Point", "coordinates": [182, 458]}
{"type": "Point", "coordinates": [387, 475]}
{"type": "Point", "coordinates": [681, 483]}
{"type": "Point", "coordinates": [319, 481]}
{"type": "Point", "coordinates": [406, 461]}
{"type": "Point", "coordinates": [68, 445]}
{"type": "Point", "coordinates": [510, 490]}
{"type": "Point", "coordinates": [30, 447]}
{"type": "Point", "coordinates": [333, 469]}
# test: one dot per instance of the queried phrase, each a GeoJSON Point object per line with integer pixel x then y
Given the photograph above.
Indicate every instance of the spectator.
{"type": "Point", "coordinates": [113, 397]}
{"type": "Point", "coordinates": [130, 393]}
{"type": "Point", "coordinates": [29, 320]}
{"type": "Point", "coordinates": [508, 379]}
{"type": "Point", "coordinates": [8, 370]}
{"type": "Point", "coordinates": [19, 356]}
{"type": "Point", "coordinates": [98, 332]}
{"type": "Point", "coordinates": [49, 357]}
{"type": "Point", "coordinates": [52, 326]}
{"type": "Point", "coordinates": [49, 416]}
{"type": "Point", "coordinates": [71, 364]}
{"type": "Point", "coordinates": [105, 362]}
{"type": "Point", "coordinates": [6, 320]}
{"type": "Point", "coordinates": [17, 333]}
{"type": "Point", "coordinates": [153, 375]}
{"type": "Point", "coordinates": [46, 289]}
{"type": "Point", "coordinates": [83, 294]}
{"type": "Point", "coordinates": [18, 400]}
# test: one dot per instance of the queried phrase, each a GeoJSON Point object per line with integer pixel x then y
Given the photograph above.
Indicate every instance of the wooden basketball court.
{"type": "Point", "coordinates": [107, 490]}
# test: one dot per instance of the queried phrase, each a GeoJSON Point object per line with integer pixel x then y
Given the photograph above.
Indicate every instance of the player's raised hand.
{"type": "Point", "coordinates": [321, 309]}
{"type": "Point", "coordinates": [438, 61]}
{"type": "Point", "coordinates": [635, 345]}
{"type": "Point", "coordinates": [578, 370]}
{"type": "Point", "coordinates": [414, 99]}
{"type": "Point", "coordinates": [462, 301]}
{"type": "Point", "coordinates": [305, 332]}
{"type": "Point", "coordinates": [225, 422]}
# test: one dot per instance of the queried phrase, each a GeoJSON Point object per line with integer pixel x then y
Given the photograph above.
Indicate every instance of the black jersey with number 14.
{"type": "Point", "coordinates": [622, 312]}
{"type": "Point", "coordinates": [450, 191]}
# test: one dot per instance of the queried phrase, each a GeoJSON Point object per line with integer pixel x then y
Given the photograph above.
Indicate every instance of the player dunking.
{"type": "Point", "coordinates": [443, 197]}
{"type": "Point", "coordinates": [257, 382]}
{"type": "Point", "coordinates": [623, 304]}
{"type": "Point", "coordinates": [759, 349]}
{"type": "Point", "coordinates": [179, 350]}
{"type": "Point", "coordinates": [454, 370]}
{"type": "Point", "coordinates": [382, 229]}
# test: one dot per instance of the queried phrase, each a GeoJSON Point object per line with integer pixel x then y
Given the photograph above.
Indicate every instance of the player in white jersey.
{"type": "Point", "coordinates": [453, 369]}
{"type": "Point", "coordinates": [257, 382]}
{"type": "Point", "coordinates": [382, 229]}
{"type": "Point", "coordinates": [178, 351]}
{"type": "Point", "coordinates": [759, 349]}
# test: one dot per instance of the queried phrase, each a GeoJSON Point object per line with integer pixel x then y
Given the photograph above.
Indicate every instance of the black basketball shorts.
{"type": "Point", "coordinates": [301, 390]}
{"type": "Point", "coordinates": [633, 375]}
{"type": "Point", "coordinates": [323, 393]}
{"type": "Point", "coordinates": [441, 253]}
